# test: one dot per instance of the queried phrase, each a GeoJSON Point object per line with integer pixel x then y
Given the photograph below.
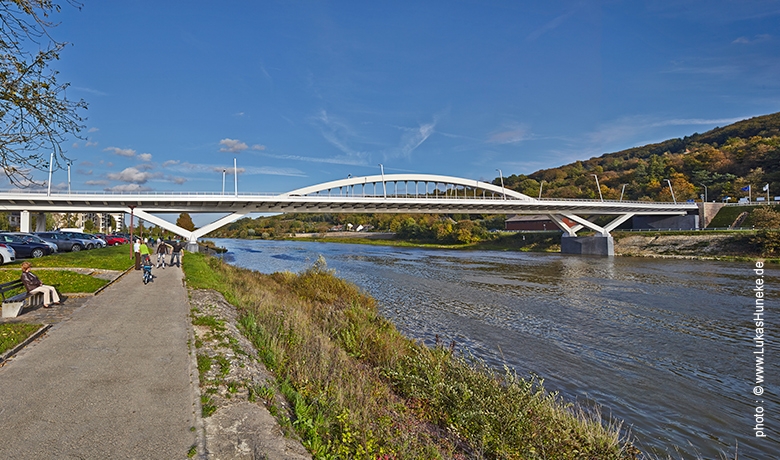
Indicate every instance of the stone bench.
{"type": "Point", "coordinates": [13, 305]}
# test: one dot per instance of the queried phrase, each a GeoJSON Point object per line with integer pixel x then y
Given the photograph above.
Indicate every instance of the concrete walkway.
{"type": "Point", "coordinates": [112, 380]}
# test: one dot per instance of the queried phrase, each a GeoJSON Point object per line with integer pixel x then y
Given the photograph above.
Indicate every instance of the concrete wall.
{"type": "Point", "coordinates": [687, 222]}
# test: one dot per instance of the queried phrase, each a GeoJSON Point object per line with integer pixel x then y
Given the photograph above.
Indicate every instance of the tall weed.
{"type": "Point", "coordinates": [359, 389]}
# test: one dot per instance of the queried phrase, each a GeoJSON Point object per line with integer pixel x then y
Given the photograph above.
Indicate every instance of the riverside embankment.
{"type": "Point", "coordinates": [654, 342]}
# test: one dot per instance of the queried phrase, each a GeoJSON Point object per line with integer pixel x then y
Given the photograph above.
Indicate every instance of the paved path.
{"type": "Point", "coordinates": [112, 380]}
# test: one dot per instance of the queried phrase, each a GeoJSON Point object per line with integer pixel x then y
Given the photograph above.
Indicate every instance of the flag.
{"type": "Point", "coordinates": [745, 189]}
{"type": "Point", "coordinates": [766, 188]}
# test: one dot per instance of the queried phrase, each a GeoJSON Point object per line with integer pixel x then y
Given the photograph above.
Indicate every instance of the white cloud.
{"type": "Point", "coordinates": [132, 175]}
{"type": "Point", "coordinates": [168, 163]}
{"type": "Point", "coordinates": [232, 146]}
{"type": "Point", "coordinates": [145, 157]}
{"type": "Point", "coordinates": [93, 130]}
{"type": "Point", "coordinates": [96, 182]}
{"type": "Point", "coordinates": [258, 147]}
{"type": "Point", "coordinates": [120, 152]}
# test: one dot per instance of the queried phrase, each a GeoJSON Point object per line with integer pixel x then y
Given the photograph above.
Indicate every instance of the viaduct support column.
{"type": "Point", "coordinates": [24, 221]}
{"type": "Point", "coordinates": [596, 245]}
{"type": "Point", "coordinates": [40, 222]}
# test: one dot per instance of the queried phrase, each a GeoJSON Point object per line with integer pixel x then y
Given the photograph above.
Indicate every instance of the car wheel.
{"type": "Point", "coordinates": [37, 253]}
{"type": "Point", "coordinates": [89, 246]}
{"type": "Point", "coordinates": [76, 248]}
{"type": "Point", "coordinates": [2, 261]}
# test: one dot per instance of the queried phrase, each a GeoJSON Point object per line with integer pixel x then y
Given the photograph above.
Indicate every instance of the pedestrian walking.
{"type": "Point", "coordinates": [137, 252]}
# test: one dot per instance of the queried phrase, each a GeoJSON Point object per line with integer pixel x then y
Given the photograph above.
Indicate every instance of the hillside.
{"type": "Point", "coordinates": [727, 159]}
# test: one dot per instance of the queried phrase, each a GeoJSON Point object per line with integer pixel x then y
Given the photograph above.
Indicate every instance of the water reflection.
{"type": "Point", "coordinates": [662, 344]}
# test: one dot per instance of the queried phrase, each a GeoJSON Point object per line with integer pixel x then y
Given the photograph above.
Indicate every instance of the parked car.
{"type": "Point", "coordinates": [112, 240]}
{"type": "Point", "coordinates": [24, 247]}
{"type": "Point", "coordinates": [7, 254]}
{"type": "Point", "coordinates": [93, 241]}
{"type": "Point", "coordinates": [36, 239]}
{"type": "Point", "coordinates": [65, 242]}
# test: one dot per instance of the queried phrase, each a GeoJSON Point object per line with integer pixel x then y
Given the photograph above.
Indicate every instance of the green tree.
{"type": "Point", "coordinates": [185, 221]}
{"type": "Point", "coordinates": [35, 114]}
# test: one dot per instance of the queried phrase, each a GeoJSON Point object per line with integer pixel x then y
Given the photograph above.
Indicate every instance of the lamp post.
{"type": "Point", "coordinates": [501, 175]}
{"type": "Point", "coordinates": [622, 192]}
{"type": "Point", "coordinates": [69, 178]}
{"type": "Point", "coordinates": [235, 175]}
{"type": "Point", "coordinates": [51, 165]}
{"type": "Point", "coordinates": [384, 186]}
{"type": "Point", "coordinates": [705, 192]}
{"type": "Point", "coordinates": [541, 184]}
{"type": "Point", "coordinates": [670, 190]}
{"type": "Point", "coordinates": [224, 170]}
{"type": "Point", "coordinates": [598, 186]}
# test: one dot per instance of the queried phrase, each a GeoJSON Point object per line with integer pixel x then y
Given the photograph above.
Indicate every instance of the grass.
{"type": "Point", "coordinates": [12, 334]}
{"type": "Point", "coordinates": [110, 258]}
{"type": "Point", "coordinates": [359, 389]}
{"type": "Point", "coordinates": [66, 281]}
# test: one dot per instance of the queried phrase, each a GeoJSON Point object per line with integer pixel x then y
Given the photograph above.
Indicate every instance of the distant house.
{"type": "Point", "coordinates": [533, 223]}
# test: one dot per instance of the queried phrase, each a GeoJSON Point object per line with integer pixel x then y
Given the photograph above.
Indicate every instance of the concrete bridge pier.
{"type": "Point", "coordinates": [598, 245]}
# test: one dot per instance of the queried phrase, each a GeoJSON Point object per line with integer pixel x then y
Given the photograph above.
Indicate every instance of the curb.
{"type": "Point", "coordinates": [29, 339]}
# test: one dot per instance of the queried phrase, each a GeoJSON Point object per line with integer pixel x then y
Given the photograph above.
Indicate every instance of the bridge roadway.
{"type": "Point", "coordinates": [369, 194]}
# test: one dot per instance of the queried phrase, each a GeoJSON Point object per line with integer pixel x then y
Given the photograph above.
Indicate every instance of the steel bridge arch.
{"type": "Point", "coordinates": [468, 185]}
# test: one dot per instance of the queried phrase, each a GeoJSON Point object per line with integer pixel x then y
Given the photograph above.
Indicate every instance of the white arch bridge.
{"type": "Point", "coordinates": [388, 193]}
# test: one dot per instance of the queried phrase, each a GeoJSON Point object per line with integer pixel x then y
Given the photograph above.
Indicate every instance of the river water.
{"type": "Point", "coordinates": [664, 345]}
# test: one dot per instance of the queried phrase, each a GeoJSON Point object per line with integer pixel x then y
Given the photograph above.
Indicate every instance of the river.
{"type": "Point", "coordinates": [664, 345]}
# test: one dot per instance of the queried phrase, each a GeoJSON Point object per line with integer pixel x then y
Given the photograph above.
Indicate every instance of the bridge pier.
{"type": "Point", "coordinates": [597, 245]}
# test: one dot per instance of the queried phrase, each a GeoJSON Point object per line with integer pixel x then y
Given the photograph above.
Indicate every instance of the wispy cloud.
{"type": "Point", "coordinates": [511, 133]}
{"type": "Point", "coordinates": [551, 25]}
{"type": "Point", "coordinates": [128, 188]}
{"type": "Point", "coordinates": [145, 157]}
{"type": "Point", "coordinates": [340, 160]}
{"type": "Point", "coordinates": [338, 132]}
{"type": "Point", "coordinates": [414, 137]}
{"type": "Point", "coordinates": [185, 167]}
{"type": "Point", "coordinates": [749, 41]}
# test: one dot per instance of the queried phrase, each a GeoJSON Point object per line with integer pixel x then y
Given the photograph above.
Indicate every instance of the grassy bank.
{"type": "Point", "coordinates": [358, 389]}
{"type": "Point", "coordinates": [66, 281]}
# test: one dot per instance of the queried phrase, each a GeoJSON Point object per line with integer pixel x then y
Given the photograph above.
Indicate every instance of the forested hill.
{"type": "Point", "coordinates": [727, 159]}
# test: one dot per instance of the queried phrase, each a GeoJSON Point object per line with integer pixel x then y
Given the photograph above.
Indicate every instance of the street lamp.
{"type": "Point", "coordinates": [598, 186]}
{"type": "Point", "coordinates": [224, 170]}
{"type": "Point", "coordinates": [540, 188]}
{"type": "Point", "coordinates": [705, 192]}
{"type": "Point", "coordinates": [501, 175]}
{"type": "Point", "coordinates": [622, 191]}
{"type": "Point", "coordinates": [670, 190]}
{"type": "Point", "coordinates": [384, 186]}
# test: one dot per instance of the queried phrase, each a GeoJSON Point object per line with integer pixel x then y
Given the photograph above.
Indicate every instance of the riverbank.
{"type": "Point", "coordinates": [357, 388]}
{"type": "Point", "coordinates": [734, 245]}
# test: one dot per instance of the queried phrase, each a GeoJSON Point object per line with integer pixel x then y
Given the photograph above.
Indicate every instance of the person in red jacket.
{"type": "Point", "coordinates": [33, 284]}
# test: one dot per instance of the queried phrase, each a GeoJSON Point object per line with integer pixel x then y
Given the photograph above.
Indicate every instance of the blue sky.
{"type": "Point", "coordinates": [303, 92]}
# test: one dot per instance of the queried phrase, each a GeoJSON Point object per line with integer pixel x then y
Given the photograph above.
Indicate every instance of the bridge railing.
{"type": "Point", "coordinates": [334, 194]}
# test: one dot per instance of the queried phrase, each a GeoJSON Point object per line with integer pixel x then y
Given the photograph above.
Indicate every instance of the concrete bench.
{"type": "Point", "coordinates": [13, 305]}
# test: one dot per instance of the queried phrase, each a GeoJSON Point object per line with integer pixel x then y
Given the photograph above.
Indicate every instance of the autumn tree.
{"type": "Point", "coordinates": [35, 115]}
{"type": "Point", "coordinates": [185, 221]}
